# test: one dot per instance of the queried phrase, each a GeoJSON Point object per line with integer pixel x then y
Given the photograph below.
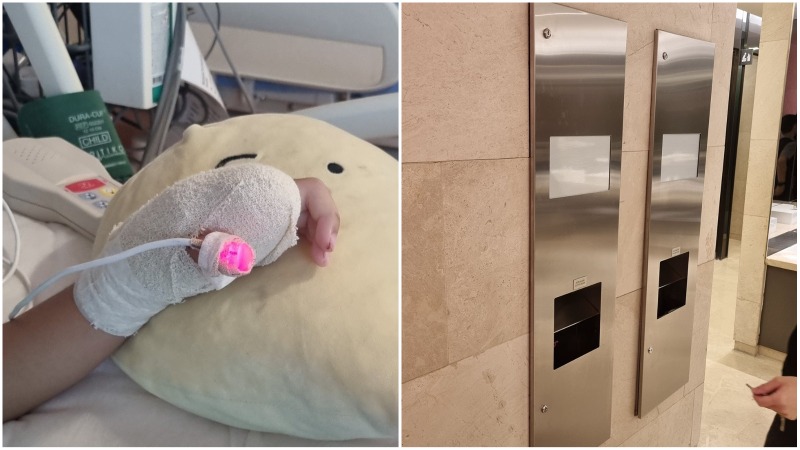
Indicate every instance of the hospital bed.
{"type": "Point", "coordinates": [107, 408]}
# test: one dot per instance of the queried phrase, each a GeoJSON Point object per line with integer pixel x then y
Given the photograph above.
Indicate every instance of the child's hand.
{"type": "Point", "coordinates": [319, 218]}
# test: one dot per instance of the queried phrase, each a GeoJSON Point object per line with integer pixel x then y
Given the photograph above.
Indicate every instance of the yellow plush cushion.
{"type": "Point", "coordinates": [291, 348]}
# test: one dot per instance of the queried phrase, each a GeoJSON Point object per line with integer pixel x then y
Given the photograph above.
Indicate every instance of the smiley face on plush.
{"type": "Point", "coordinates": [292, 347]}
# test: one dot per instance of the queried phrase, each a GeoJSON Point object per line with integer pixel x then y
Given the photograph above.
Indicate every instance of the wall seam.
{"type": "Point", "coordinates": [465, 160]}
{"type": "Point", "coordinates": [466, 358]}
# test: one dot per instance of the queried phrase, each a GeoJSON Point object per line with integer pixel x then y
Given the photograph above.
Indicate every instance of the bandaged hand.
{"type": "Point", "coordinates": [258, 203]}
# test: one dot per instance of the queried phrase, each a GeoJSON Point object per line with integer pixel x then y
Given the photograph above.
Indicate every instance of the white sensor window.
{"type": "Point", "coordinates": [579, 165]}
{"type": "Point", "coordinates": [679, 155]}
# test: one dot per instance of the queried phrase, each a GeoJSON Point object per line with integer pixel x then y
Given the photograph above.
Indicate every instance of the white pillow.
{"type": "Point", "coordinates": [291, 348]}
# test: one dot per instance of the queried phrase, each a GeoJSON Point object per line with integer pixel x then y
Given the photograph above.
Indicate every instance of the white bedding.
{"type": "Point", "coordinates": [107, 408]}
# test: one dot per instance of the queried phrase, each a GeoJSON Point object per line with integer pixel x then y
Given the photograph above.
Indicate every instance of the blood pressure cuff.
{"type": "Point", "coordinates": [291, 348]}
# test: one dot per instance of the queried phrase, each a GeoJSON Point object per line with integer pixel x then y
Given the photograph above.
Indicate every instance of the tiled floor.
{"type": "Point", "coordinates": [730, 416]}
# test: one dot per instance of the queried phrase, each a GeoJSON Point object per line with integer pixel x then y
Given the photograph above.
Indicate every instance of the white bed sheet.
{"type": "Point", "coordinates": [107, 408]}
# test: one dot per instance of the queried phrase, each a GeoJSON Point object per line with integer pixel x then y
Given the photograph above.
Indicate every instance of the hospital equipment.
{"type": "Point", "coordinates": [130, 45]}
{"type": "Point", "coordinates": [51, 180]}
{"type": "Point", "coordinates": [124, 413]}
{"type": "Point", "coordinates": [304, 60]}
{"type": "Point", "coordinates": [44, 47]}
{"type": "Point", "coordinates": [65, 98]}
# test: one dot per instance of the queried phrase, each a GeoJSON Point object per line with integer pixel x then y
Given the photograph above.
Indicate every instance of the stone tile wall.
{"type": "Point", "coordinates": [466, 221]}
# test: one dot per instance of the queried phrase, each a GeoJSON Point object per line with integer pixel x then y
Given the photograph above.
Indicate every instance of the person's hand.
{"type": "Point", "coordinates": [122, 296]}
{"type": "Point", "coordinates": [778, 394]}
{"type": "Point", "coordinates": [319, 218]}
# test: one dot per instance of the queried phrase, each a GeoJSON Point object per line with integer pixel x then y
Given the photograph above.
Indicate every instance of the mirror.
{"type": "Point", "coordinates": [783, 216]}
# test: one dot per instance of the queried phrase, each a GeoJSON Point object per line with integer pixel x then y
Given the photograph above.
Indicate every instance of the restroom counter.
{"type": "Point", "coordinates": [779, 312]}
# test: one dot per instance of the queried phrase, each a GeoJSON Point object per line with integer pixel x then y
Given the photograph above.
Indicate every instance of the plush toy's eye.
{"type": "Point", "coordinates": [234, 158]}
{"type": "Point", "coordinates": [335, 168]}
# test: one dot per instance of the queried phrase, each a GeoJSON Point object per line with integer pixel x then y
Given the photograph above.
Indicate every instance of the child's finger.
{"type": "Point", "coordinates": [316, 198]}
{"type": "Point", "coordinates": [326, 232]}
{"type": "Point", "coordinates": [320, 256]}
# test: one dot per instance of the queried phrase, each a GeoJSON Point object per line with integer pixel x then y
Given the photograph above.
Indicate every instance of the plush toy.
{"type": "Point", "coordinates": [290, 348]}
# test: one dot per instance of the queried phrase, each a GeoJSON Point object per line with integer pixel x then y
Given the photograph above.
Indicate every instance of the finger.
{"type": "Point", "coordinates": [765, 401]}
{"type": "Point", "coordinates": [317, 199]}
{"type": "Point", "coordinates": [302, 221]}
{"type": "Point", "coordinates": [310, 230]}
{"type": "Point", "coordinates": [320, 256]}
{"type": "Point", "coordinates": [326, 232]}
{"type": "Point", "coordinates": [768, 387]}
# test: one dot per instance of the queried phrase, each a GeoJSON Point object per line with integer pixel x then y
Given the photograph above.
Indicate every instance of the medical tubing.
{"type": "Point", "coordinates": [174, 242]}
{"type": "Point", "coordinates": [169, 93]}
{"type": "Point", "coordinates": [236, 75]}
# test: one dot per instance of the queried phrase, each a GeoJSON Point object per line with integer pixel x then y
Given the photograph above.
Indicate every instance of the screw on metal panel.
{"type": "Point", "coordinates": [546, 33]}
{"type": "Point", "coordinates": [544, 408]}
{"type": "Point", "coordinates": [664, 55]}
{"type": "Point", "coordinates": [650, 350]}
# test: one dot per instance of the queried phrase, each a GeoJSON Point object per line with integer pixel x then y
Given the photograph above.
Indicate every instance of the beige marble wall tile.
{"type": "Point", "coordinates": [747, 323]}
{"type": "Point", "coordinates": [723, 20]}
{"type": "Point", "coordinates": [710, 209]}
{"type": "Point", "coordinates": [646, 437]}
{"type": "Point", "coordinates": [689, 19]}
{"type": "Point", "coordinates": [627, 317]}
{"type": "Point", "coordinates": [781, 29]}
{"type": "Point", "coordinates": [697, 364]}
{"type": "Point", "coordinates": [702, 302]}
{"type": "Point", "coordinates": [752, 268]}
{"type": "Point", "coordinates": [626, 363]}
{"type": "Point", "coordinates": [736, 218]}
{"type": "Point", "coordinates": [480, 401]}
{"type": "Point", "coordinates": [638, 96]}
{"type": "Point", "coordinates": [743, 148]}
{"type": "Point", "coordinates": [739, 184]}
{"type": "Point", "coordinates": [748, 96]}
{"type": "Point", "coordinates": [487, 255]}
{"type": "Point", "coordinates": [697, 415]}
{"type": "Point", "coordinates": [424, 308]}
{"type": "Point", "coordinates": [760, 177]}
{"type": "Point", "coordinates": [751, 350]}
{"type": "Point", "coordinates": [700, 326]}
{"type": "Point", "coordinates": [465, 81]}
{"type": "Point", "coordinates": [670, 401]}
{"type": "Point", "coordinates": [630, 238]}
{"type": "Point", "coordinates": [768, 103]}
{"type": "Point", "coordinates": [675, 424]}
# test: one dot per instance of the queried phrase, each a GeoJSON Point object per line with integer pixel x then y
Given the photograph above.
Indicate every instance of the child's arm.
{"type": "Point", "coordinates": [53, 346]}
{"type": "Point", "coordinates": [47, 350]}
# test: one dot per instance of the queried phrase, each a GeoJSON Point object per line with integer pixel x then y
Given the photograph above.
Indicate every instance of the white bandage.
{"type": "Point", "coordinates": [258, 203]}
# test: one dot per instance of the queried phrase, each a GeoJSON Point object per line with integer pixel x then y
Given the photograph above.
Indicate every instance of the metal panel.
{"type": "Point", "coordinates": [578, 83]}
{"type": "Point", "coordinates": [681, 102]}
